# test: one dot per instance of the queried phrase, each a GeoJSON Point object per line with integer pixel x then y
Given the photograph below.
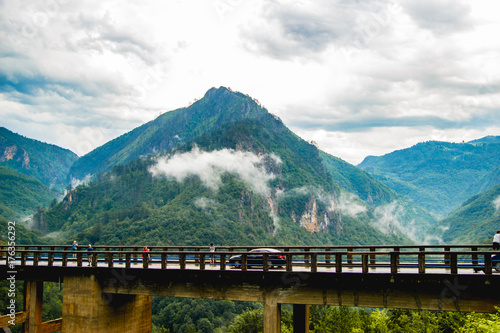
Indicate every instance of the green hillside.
{"type": "Point", "coordinates": [411, 219]}
{"type": "Point", "coordinates": [439, 176]}
{"type": "Point", "coordinates": [21, 195]}
{"type": "Point", "coordinates": [218, 107]}
{"type": "Point", "coordinates": [476, 221]}
{"type": "Point", "coordinates": [48, 163]}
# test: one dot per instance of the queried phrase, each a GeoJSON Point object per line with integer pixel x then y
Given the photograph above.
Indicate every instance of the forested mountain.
{"type": "Point", "coordinates": [174, 128]}
{"type": "Point", "coordinates": [439, 176]}
{"type": "Point", "coordinates": [243, 178]}
{"type": "Point", "coordinates": [48, 163]}
{"type": "Point", "coordinates": [476, 221]}
{"type": "Point", "coordinates": [21, 195]}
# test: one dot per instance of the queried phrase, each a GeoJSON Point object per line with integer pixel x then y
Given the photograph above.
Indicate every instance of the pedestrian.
{"type": "Point", "coordinates": [145, 256]}
{"type": "Point", "coordinates": [496, 241]}
{"type": "Point", "coordinates": [90, 252]}
{"type": "Point", "coordinates": [74, 246]}
{"type": "Point", "coordinates": [212, 255]}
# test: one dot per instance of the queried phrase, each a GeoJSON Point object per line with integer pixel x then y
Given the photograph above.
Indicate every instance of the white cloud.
{"type": "Point", "coordinates": [362, 77]}
{"type": "Point", "coordinates": [349, 204]}
{"type": "Point", "coordinates": [210, 166]}
{"type": "Point", "coordinates": [496, 203]}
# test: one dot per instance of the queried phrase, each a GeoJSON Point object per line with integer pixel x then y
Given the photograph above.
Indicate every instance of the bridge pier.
{"type": "Point", "coordinates": [33, 306]}
{"type": "Point", "coordinates": [272, 313]}
{"type": "Point", "coordinates": [87, 309]}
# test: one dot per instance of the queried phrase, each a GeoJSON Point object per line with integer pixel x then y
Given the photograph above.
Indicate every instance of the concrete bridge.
{"type": "Point", "coordinates": [112, 290]}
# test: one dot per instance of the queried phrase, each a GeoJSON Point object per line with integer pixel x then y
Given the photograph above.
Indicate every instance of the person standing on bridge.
{"type": "Point", "coordinates": [212, 254]}
{"type": "Point", "coordinates": [90, 252]}
{"type": "Point", "coordinates": [74, 246]}
{"type": "Point", "coordinates": [496, 241]}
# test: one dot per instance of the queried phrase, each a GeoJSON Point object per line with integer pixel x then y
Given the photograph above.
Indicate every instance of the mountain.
{"type": "Point", "coordinates": [439, 176]}
{"type": "Point", "coordinates": [389, 207]}
{"type": "Point", "coordinates": [171, 129]}
{"type": "Point", "coordinates": [476, 221]}
{"type": "Point", "coordinates": [223, 170]}
{"type": "Point", "coordinates": [21, 195]}
{"type": "Point", "coordinates": [48, 163]}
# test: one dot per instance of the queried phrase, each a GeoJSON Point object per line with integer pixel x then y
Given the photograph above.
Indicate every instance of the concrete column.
{"type": "Point", "coordinates": [87, 309]}
{"type": "Point", "coordinates": [33, 306]}
{"type": "Point", "coordinates": [272, 314]}
{"type": "Point", "coordinates": [301, 318]}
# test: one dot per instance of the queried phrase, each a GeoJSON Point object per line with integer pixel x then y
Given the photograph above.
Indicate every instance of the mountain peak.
{"type": "Point", "coordinates": [219, 106]}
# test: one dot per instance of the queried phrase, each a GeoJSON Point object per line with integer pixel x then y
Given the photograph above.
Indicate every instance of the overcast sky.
{"type": "Point", "coordinates": [358, 77]}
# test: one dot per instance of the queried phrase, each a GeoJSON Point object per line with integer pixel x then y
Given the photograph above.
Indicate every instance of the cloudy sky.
{"type": "Point", "coordinates": [358, 77]}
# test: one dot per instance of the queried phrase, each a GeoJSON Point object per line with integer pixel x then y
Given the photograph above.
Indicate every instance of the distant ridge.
{"type": "Point", "coordinates": [439, 176]}
{"type": "Point", "coordinates": [46, 162]}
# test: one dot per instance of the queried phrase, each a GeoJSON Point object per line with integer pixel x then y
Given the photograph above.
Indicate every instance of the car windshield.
{"type": "Point", "coordinates": [263, 250]}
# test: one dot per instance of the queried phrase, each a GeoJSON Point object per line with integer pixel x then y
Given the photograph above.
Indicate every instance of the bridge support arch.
{"type": "Point", "coordinates": [87, 309]}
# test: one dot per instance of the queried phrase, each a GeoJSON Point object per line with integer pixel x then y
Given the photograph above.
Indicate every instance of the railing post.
{"type": "Point", "coordinates": [93, 258]}
{"type": "Point", "coordinates": [364, 263]}
{"type": "Point", "coordinates": [338, 262]}
{"type": "Point", "coordinates": [222, 258]}
{"type": "Point", "coordinates": [79, 258]}
{"type": "Point", "coordinates": [64, 258]}
{"type": "Point", "coordinates": [127, 259]}
{"type": "Point", "coordinates": [110, 259]}
{"type": "Point", "coordinates": [474, 256]}
{"type": "Point", "coordinates": [201, 259]}
{"type": "Point", "coordinates": [372, 256]}
{"type": "Point", "coordinates": [197, 257]}
{"type": "Point", "coordinates": [50, 258]}
{"type": "Point", "coordinates": [265, 262]}
{"type": "Point", "coordinates": [327, 257]}
{"type": "Point", "coordinates": [397, 249]}
{"type": "Point", "coordinates": [23, 258]}
{"type": "Point", "coordinates": [306, 256]}
{"type": "Point", "coordinates": [421, 263]}
{"type": "Point", "coordinates": [35, 258]}
{"type": "Point", "coordinates": [289, 261]}
{"type": "Point", "coordinates": [243, 261]}
{"type": "Point", "coordinates": [163, 260]}
{"type": "Point", "coordinates": [182, 260]}
{"type": "Point", "coordinates": [447, 256]}
{"type": "Point", "coordinates": [349, 255]}
{"type": "Point", "coordinates": [314, 262]}
{"type": "Point", "coordinates": [394, 262]}
{"type": "Point", "coordinates": [487, 264]}
{"type": "Point", "coordinates": [453, 263]}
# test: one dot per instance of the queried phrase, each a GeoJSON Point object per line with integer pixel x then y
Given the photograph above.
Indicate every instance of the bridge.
{"type": "Point", "coordinates": [111, 291]}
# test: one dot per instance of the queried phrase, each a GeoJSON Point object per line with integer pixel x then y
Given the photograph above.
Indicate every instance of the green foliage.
{"type": "Point", "coordinates": [179, 315]}
{"type": "Point", "coordinates": [48, 163]}
{"type": "Point", "coordinates": [331, 319]}
{"type": "Point", "coordinates": [251, 321]}
{"type": "Point", "coordinates": [23, 235]}
{"type": "Point", "coordinates": [481, 323]}
{"type": "Point", "coordinates": [20, 195]}
{"type": "Point", "coordinates": [475, 222]}
{"type": "Point", "coordinates": [52, 301]}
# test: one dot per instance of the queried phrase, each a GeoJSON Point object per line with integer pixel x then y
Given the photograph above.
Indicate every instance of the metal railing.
{"type": "Point", "coordinates": [421, 259]}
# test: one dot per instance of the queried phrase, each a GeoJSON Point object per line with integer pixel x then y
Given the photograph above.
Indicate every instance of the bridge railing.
{"type": "Point", "coordinates": [335, 259]}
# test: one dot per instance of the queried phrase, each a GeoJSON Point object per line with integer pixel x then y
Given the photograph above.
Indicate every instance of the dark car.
{"type": "Point", "coordinates": [495, 264]}
{"type": "Point", "coordinates": [256, 258]}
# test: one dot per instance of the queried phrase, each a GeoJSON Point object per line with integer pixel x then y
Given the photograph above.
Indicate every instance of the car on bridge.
{"type": "Point", "coordinates": [495, 264]}
{"type": "Point", "coordinates": [255, 258]}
